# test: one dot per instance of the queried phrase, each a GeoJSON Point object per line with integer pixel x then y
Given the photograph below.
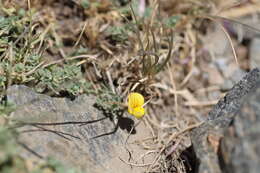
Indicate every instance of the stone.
{"type": "Point", "coordinates": [206, 138]}
{"type": "Point", "coordinates": [71, 144]}
{"type": "Point", "coordinates": [254, 53]}
{"type": "Point", "coordinates": [240, 147]}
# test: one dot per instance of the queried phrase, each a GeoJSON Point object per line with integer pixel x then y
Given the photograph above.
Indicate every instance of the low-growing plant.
{"type": "Point", "coordinates": [149, 50]}
{"type": "Point", "coordinates": [108, 101]}
{"type": "Point", "coordinates": [22, 60]}
{"type": "Point", "coordinates": [118, 33]}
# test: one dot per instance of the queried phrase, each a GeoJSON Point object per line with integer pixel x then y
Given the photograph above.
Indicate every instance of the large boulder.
{"type": "Point", "coordinates": [217, 148]}
{"type": "Point", "coordinates": [70, 143]}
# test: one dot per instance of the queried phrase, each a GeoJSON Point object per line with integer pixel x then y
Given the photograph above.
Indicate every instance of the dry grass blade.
{"type": "Point", "coordinates": [225, 32]}
{"type": "Point", "coordinates": [159, 68]}
{"type": "Point", "coordinates": [80, 36]}
{"type": "Point", "coordinates": [137, 30]}
{"type": "Point", "coordinates": [235, 21]}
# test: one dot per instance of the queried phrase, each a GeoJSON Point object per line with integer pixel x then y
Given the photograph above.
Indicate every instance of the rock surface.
{"type": "Point", "coordinates": [240, 147]}
{"type": "Point", "coordinates": [91, 155]}
{"type": "Point", "coordinates": [218, 147]}
{"type": "Point", "coordinates": [206, 138]}
{"type": "Point", "coordinates": [255, 53]}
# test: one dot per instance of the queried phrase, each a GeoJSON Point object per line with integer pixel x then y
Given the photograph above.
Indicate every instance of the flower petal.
{"type": "Point", "coordinates": [135, 100]}
{"type": "Point", "coordinates": [138, 112]}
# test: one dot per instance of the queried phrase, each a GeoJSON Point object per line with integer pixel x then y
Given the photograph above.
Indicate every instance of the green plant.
{"type": "Point", "coordinates": [109, 102]}
{"type": "Point", "coordinates": [7, 144]}
{"type": "Point", "coordinates": [85, 4]}
{"type": "Point", "coordinates": [22, 61]}
{"type": "Point", "coordinates": [150, 53]}
{"type": "Point", "coordinates": [6, 108]}
{"type": "Point", "coordinates": [170, 22]}
{"type": "Point", "coordinates": [67, 78]}
{"type": "Point", "coordinates": [58, 167]}
{"type": "Point", "coordinates": [11, 162]}
{"type": "Point", "coordinates": [118, 33]}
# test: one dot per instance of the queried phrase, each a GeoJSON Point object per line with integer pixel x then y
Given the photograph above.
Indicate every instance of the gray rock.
{"type": "Point", "coordinates": [205, 139]}
{"type": "Point", "coordinates": [91, 155]}
{"type": "Point", "coordinates": [232, 79]}
{"type": "Point", "coordinates": [255, 53]}
{"type": "Point", "coordinates": [230, 71]}
{"type": "Point", "coordinates": [240, 147]}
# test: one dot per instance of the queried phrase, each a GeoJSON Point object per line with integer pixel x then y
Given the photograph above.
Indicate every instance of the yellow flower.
{"type": "Point", "coordinates": [135, 105]}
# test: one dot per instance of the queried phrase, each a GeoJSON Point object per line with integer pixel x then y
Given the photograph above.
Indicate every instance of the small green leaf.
{"type": "Point", "coordinates": [85, 4]}
{"type": "Point", "coordinates": [19, 68]}
{"type": "Point", "coordinates": [171, 21]}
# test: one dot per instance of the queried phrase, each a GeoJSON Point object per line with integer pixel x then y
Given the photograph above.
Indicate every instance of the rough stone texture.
{"type": "Point", "coordinates": [91, 155]}
{"type": "Point", "coordinates": [240, 147]}
{"type": "Point", "coordinates": [205, 139]}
